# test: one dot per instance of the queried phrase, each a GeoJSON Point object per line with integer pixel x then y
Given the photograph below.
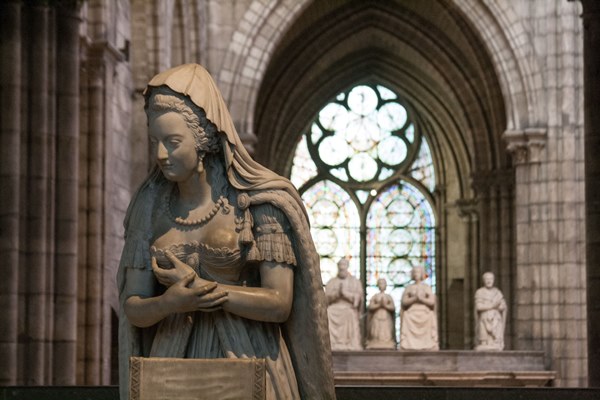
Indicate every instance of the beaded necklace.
{"type": "Point", "coordinates": [222, 202]}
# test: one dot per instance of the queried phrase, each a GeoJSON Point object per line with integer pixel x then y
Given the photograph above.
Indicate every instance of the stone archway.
{"type": "Point", "coordinates": [445, 75]}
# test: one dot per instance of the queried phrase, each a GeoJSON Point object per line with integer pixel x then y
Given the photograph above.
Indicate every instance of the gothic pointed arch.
{"type": "Point", "coordinates": [434, 57]}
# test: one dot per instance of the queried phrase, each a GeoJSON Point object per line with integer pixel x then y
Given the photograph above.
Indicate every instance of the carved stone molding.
{"type": "Point", "coordinates": [525, 145]}
{"type": "Point", "coordinates": [96, 56]}
{"type": "Point", "coordinates": [468, 209]}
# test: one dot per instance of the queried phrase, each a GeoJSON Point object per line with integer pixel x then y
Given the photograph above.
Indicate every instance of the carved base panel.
{"type": "Point", "coordinates": [196, 379]}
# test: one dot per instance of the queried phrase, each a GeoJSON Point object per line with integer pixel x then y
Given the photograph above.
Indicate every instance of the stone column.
{"type": "Point", "coordinates": [469, 212]}
{"type": "Point", "coordinates": [525, 147]}
{"type": "Point", "coordinates": [36, 248]}
{"type": "Point", "coordinates": [591, 54]}
{"type": "Point", "coordinates": [10, 139]}
{"type": "Point", "coordinates": [67, 97]}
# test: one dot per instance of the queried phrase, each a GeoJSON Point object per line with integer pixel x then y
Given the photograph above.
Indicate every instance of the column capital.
{"type": "Point", "coordinates": [468, 209]}
{"type": "Point", "coordinates": [525, 145]}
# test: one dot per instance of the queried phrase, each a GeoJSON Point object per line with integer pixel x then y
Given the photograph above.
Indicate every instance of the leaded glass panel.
{"type": "Point", "coordinates": [422, 168]}
{"type": "Point", "coordinates": [304, 167]}
{"type": "Point", "coordinates": [365, 150]}
{"type": "Point", "coordinates": [335, 225]}
{"type": "Point", "coordinates": [400, 236]}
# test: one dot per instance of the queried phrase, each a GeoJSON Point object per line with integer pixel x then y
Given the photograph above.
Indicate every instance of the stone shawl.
{"type": "Point", "coordinates": [305, 331]}
{"type": "Point", "coordinates": [490, 322]}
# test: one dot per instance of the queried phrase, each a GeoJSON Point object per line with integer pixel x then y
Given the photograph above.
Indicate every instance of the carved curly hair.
{"type": "Point", "coordinates": [163, 100]}
{"type": "Point", "coordinates": [206, 135]}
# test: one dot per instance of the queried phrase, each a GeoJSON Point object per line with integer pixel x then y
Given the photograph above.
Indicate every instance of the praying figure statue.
{"type": "Point", "coordinates": [418, 320]}
{"type": "Point", "coordinates": [344, 296]}
{"type": "Point", "coordinates": [381, 317]}
{"type": "Point", "coordinates": [490, 311]}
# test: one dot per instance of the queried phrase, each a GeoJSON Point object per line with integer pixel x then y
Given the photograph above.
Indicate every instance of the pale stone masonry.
{"type": "Point", "coordinates": [74, 149]}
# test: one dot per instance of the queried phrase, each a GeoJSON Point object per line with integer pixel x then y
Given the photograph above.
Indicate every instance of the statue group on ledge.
{"type": "Point", "coordinates": [418, 315]}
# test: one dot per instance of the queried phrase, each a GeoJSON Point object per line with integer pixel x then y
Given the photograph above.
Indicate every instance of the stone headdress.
{"type": "Point", "coordinates": [305, 331]}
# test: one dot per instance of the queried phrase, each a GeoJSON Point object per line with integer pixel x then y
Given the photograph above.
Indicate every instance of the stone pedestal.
{"type": "Point", "coordinates": [197, 379]}
{"type": "Point", "coordinates": [441, 368]}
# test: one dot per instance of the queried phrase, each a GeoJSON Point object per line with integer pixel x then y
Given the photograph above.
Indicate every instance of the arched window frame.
{"type": "Point", "coordinates": [403, 174]}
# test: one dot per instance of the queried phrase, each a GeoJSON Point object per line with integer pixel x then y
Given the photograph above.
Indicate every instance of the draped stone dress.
{"type": "Point", "coordinates": [418, 326]}
{"type": "Point", "coordinates": [381, 323]}
{"type": "Point", "coordinates": [220, 334]}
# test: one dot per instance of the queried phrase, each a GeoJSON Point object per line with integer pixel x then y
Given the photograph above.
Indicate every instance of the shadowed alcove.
{"type": "Point", "coordinates": [430, 55]}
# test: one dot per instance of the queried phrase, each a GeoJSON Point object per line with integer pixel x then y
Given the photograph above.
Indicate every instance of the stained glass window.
{"type": "Point", "coordinates": [365, 166]}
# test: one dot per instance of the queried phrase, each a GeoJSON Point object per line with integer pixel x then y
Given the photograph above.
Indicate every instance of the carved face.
{"type": "Point", "coordinates": [343, 268]}
{"type": "Point", "coordinates": [173, 145]}
{"type": "Point", "coordinates": [382, 284]}
{"type": "Point", "coordinates": [417, 274]}
{"type": "Point", "coordinates": [488, 280]}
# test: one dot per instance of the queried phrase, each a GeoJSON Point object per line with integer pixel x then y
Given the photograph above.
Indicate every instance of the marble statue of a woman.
{"type": "Point", "coordinates": [381, 318]}
{"type": "Point", "coordinates": [218, 260]}
{"type": "Point", "coordinates": [418, 321]}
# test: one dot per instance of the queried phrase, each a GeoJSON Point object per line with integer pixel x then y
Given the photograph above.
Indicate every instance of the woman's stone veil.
{"type": "Point", "coordinates": [306, 330]}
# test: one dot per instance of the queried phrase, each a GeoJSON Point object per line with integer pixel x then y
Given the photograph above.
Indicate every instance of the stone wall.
{"type": "Point", "coordinates": [74, 149]}
{"type": "Point", "coordinates": [550, 227]}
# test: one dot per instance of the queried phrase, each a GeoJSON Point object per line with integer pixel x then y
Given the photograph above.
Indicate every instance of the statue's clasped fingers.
{"type": "Point", "coordinates": [165, 277]}
{"type": "Point", "coordinates": [209, 287]}
{"type": "Point", "coordinates": [209, 301]}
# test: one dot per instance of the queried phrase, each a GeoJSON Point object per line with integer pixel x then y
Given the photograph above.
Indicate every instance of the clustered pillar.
{"type": "Point", "coordinates": [39, 130]}
{"type": "Point", "coordinates": [591, 55]}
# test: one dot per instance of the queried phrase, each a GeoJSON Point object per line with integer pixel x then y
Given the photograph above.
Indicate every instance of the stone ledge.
{"type": "Point", "coordinates": [438, 361]}
{"type": "Point", "coordinates": [342, 393]}
{"type": "Point", "coordinates": [458, 379]}
{"type": "Point", "coordinates": [441, 368]}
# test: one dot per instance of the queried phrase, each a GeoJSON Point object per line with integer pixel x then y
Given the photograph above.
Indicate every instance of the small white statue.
{"type": "Point", "coordinates": [418, 320]}
{"type": "Point", "coordinates": [344, 296]}
{"type": "Point", "coordinates": [490, 311]}
{"type": "Point", "coordinates": [382, 313]}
